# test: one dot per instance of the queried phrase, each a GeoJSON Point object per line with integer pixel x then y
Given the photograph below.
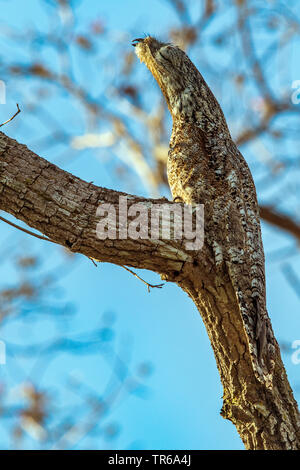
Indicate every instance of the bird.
{"type": "Point", "coordinates": [204, 166]}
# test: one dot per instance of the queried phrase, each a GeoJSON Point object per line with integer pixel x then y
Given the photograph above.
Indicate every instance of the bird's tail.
{"type": "Point", "coordinates": [260, 336]}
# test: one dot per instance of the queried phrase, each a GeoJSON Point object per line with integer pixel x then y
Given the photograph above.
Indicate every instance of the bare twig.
{"type": "Point", "coordinates": [93, 261]}
{"type": "Point", "coordinates": [158, 286]}
{"type": "Point", "coordinates": [36, 235]}
{"type": "Point", "coordinates": [10, 119]}
{"type": "Point", "coordinates": [27, 231]}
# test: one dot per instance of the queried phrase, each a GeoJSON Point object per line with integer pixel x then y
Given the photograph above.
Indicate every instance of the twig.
{"type": "Point", "coordinates": [36, 235]}
{"type": "Point", "coordinates": [158, 286]}
{"type": "Point", "coordinates": [93, 261]}
{"type": "Point", "coordinates": [27, 231]}
{"type": "Point", "coordinates": [10, 119]}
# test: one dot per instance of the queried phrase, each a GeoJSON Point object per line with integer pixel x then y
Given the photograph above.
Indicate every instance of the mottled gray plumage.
{"type": "Point", "coordinates": [205, 166]}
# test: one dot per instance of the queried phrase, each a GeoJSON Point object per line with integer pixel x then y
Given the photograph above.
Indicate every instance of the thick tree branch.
{"type": "Point", "coordinates": [63, 207]}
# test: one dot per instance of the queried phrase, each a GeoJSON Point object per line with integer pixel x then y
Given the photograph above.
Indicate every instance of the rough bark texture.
{"type": "Point", "coordinates": [63, 207]}
{"type": "Point", "coordinates": [205, 166]}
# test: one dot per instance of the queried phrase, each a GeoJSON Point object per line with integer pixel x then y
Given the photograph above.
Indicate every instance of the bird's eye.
{"type": "Point", "coordinates": [166, 53]}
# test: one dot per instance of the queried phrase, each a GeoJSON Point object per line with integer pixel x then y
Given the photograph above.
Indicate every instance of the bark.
{"type": "Point", "coordinates": [63, 207]}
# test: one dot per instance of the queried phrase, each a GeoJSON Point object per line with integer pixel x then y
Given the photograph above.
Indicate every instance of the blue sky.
{"type": "Point", "coordinates": [179, 406]}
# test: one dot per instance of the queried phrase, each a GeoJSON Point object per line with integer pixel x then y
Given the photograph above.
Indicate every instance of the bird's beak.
{"type": "Point", "coordinates": [134, 42]}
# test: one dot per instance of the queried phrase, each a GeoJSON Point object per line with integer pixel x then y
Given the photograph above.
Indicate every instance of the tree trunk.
{"type": "Point", "coordinates": [63, 207]}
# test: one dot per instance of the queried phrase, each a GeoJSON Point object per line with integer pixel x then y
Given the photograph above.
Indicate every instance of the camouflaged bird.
{"type": "Point", "coordinates": [205, 167]}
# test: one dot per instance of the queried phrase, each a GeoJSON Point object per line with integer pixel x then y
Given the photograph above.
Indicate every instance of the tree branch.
{"type": "Point", "coordinates": [63, 208]}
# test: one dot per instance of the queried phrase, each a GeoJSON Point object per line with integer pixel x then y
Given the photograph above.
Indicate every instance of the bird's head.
{"type": "Point", "coordinates": [170, 66]}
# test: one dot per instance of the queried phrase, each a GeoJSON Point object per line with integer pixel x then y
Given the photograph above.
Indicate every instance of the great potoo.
{"type": "Point", "coordinates": [205, 166]}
